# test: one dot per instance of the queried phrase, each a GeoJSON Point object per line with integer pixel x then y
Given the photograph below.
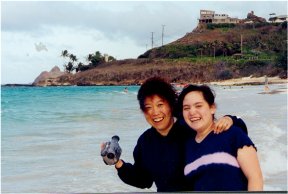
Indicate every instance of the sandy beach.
{"type": "Point", "coordinates": [250, 81]}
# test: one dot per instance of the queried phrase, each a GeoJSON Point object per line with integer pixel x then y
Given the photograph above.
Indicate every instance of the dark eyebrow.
{"type": "Point", "coordinates": [197, 103]}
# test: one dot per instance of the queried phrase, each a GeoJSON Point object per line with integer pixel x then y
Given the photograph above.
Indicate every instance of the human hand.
{"type": "Point", "coordinates": [102, 147]}
{"type": "Point", "coordinates": [222, 124]}
{"type": "Point", "coordinates": [111, 151]}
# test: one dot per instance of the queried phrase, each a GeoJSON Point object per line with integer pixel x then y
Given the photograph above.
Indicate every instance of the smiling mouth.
{"type": "Point", "coordinates": [194, 119]}
{"type": "Point", "coordinates": [158, 119]}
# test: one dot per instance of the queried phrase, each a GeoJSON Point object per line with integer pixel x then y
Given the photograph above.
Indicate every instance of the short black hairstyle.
{"type": "Point", "coordinates": [157, 86]}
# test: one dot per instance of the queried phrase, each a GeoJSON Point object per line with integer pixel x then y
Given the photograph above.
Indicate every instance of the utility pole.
{"type": "Point", "coordinates": [241, 43]}
{"type": "Point", "coordinates": [162, 33]}
{"type": "Point", "coordinates": [152, 40]}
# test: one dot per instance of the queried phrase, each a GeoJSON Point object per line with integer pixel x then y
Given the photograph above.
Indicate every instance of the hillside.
{"type": "Point", "coordinates": [208, 53]}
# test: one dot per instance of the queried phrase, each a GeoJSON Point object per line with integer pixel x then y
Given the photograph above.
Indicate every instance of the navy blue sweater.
{"type": "Point", "coordinates": [211, 165]}
{"type": "Point", "coordinates": [158, 159]}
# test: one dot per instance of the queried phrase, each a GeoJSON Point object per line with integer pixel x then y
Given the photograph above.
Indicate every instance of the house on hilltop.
{"type": "Point", "coordinates": [278, 19]}
{"type": "Point", "coordinates": [208, 16]}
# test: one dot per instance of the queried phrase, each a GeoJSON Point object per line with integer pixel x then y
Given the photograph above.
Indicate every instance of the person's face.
{"type": "Point", "coordinates": [197, 113]}
{"type": "Point", "coordinates": [158, 113]}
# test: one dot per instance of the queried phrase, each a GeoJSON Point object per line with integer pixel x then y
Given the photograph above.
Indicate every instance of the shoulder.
{"type": "Point", "coordinates": [235, 130]}
{"type": "Point", "coordinates": [144, 141]}
{"type": "Point", "coordinates": [231, 134]}
{"type": "Point", "coordinates": [239, 137]}
{"type": "Point", "coordinates": [148, 134]}
{"type": "Point", "coordinates": [183, 128]}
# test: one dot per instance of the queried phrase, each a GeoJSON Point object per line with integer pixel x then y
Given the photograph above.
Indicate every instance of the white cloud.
{"type": "Point", "coordinates": [20, 55]}
{"type": "Point", "coordinates": [40, 47]}
{"type": "Point", "coordinates": [120, 29]}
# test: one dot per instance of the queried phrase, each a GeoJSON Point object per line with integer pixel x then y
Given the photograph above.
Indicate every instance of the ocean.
{"type": "Point", "coordinates": [51, 136]}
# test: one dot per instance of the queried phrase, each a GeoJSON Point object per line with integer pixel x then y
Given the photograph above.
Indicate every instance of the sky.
{"type": "Point", "coordinates": [34, 33]}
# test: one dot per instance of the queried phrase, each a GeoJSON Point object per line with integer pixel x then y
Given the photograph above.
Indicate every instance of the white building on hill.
{"type": "Point", "coordinates": [208, 16]}
{"type": "Point", "coordinates": [278, 19]}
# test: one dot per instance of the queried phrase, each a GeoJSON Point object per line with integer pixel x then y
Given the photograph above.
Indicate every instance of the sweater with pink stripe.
{"type": "Point", "coordinates": [212, 164]}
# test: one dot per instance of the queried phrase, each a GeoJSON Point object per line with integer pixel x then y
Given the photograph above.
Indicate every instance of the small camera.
{"type": "Point", "coordinates": [112, 151]}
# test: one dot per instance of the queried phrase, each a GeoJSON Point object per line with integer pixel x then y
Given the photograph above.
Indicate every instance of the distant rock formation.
{"type": "Point", "coordinates": [48, 78]}
{"type": "Point", "coordinates": [253, 18]}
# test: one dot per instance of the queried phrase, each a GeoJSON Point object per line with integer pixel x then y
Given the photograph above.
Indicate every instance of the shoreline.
{"type": "Point", "coordinates": [230, 82]}
{"type": "Point", "coordinates": [249, 81]}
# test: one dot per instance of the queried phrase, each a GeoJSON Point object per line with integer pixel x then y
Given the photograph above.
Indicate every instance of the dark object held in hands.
{"type": "Point", "coordinates": [112, 151]}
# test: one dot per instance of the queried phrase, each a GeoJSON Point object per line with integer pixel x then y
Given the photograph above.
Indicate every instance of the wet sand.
{"type": "Point", "coordinates": [250, 81]}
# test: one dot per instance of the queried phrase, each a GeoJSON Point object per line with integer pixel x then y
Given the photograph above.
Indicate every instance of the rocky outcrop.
{"type": "Point", "coordinates": [253, 18]}
{"type": "Point", "coordinates": [48, 78]}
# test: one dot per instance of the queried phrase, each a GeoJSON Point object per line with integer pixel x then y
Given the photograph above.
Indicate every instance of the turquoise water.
{"type": "Point", "coordinates": [51, 135]}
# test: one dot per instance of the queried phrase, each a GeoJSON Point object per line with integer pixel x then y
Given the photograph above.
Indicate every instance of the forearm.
{"type": "Point", "coordinates": [255, 184]}
{"type": "Point", "coordinates": [132, 175]}
{"type": "Point", "coordinates": [248, 161]}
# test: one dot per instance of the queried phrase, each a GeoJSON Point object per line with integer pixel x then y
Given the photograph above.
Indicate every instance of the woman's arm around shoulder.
{"type": "Point", "coordinates": [237, 121]}
{"type": "Point", "coordinates": [224, 123]}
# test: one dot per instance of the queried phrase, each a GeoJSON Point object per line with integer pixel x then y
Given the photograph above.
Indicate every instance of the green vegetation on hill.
{"type": "Point", "coordinates": [263, 48]}
{"type": "Point", "coordinates": [262, 39]}
{"type": "Point", "coordinates": [209, 53]}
